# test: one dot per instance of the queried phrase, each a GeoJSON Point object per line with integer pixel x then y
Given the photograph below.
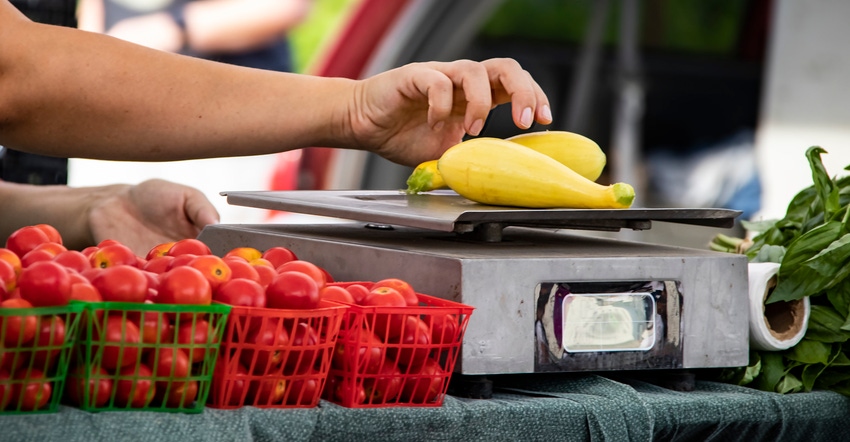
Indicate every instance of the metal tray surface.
{"type": "Point", "coordinates": [446, 211]}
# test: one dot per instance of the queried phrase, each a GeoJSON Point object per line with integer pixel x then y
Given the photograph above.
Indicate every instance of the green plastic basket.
{"type": "Point", "coordinates": [33, 370]}
{"type": "Point", "coordinates": [145, 357]}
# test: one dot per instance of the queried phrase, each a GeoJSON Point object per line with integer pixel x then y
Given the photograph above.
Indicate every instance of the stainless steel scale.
{"type": "Point", "coordinates": [546, 298]}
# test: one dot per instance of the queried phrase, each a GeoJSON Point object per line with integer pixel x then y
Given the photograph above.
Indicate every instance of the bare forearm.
{"type": "Point", "coordinates": [126, 102]}
{"type": "Point", "coordinates": [63, 207]}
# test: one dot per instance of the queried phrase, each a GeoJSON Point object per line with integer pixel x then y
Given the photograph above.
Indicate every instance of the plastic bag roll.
{"type": "Point", "coordinates": [775, 326]}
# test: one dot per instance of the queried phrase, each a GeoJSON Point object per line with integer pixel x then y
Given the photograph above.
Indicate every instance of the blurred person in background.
{"type": "Point", "coordinates": [251, 33]}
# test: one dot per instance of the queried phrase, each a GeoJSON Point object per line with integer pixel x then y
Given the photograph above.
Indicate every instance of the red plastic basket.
{"type": "Point", "coordinates": [34, 364]}
{"type": "Point", "coordinates": [275, 358]}
{"type": "Point", "coordinates": [396, 356]}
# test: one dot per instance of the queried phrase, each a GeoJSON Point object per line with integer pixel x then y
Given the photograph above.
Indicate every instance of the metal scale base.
{"type": "Point", "coordinates": [546, 299]}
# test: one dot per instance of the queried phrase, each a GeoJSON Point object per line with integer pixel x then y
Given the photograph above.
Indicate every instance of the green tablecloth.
{"type": "Point", "coordinates": [528, 408]}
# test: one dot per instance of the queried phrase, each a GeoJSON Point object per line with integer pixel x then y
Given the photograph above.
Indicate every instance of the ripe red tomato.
{"type": "Point", "coordinates": [336, 293]}
{"type": "Point", "coordinates": [265, 273]}
{"type": "Point", "coordinates": [229, 385]}
{"type": "Point", "coordinates": [158, 264]}
{"type": "Point", "coordinates": [268, 344]}
{"type": "Point", "coordinates": [85, 291]}
{"type": "Point", "coordinates": [403, 287]}
{"type": "Point", "coordinates": [279, 255]}
{"type": "Point", "coordinates": [358, 292]}
{"type": "Point", "coordinates": [415, 340]}
{"type": "Point", "coordinates": [45, 284]}
{"type": "Point", "coordinates": [50, 337]}
{"type": "Point", "coordinates": [169, 363]}
{"type": "Point", "coordinates": [241, 269]}
{"type": "Point", "coordinates": [384, 297]}
{"type": "Point", "coordinates": [363, 357]}
{"type": "Point", "coordinates": [51, 247]}
{"type": "Point", "coordinates": [98, 383]}
{"type": "Point", "coordinates": [444, 328]}
{"type": "Point", "coordinates": [214, 269]}
{"type": "Point", "coordinates": [181, 260]}
{"type": "Point", "coordinates": [34, 256]}
{"type": "Point", "coordinates": [156, 328]}
{"type": "Point", "coordinates": [51, 232]}
{"type": "Point", "coordinates": [159, 250]}
{"type": "Point", "coordinates": [198, 335]}
{"type": "Point", "coordinates": [121, 283]}
{"type": "Point", "coordinates": [302, 391]}
{"type": "Point", "coordinates": [292, 290]}
{"type": "Point", "coordinates": [34, 392]}
{"type": "Point", "coordinates": [348, 392]}
{"type": "Point", "coordinates": [18, 330]}
{"type": "Point", "coordinates": [189, 245]}
{"type": "Point", "coordinates": [241, 292]}
{"type": "Point", "coordinates": [113, 338]}
{"type": "Point", "coordinates": [302, 358]}
{"type": "Point", "coordinates": [307, 268]}
{"type": "Point", "coordinates": [11, 258]}
{"type": "Point", "coordinates": [25, 239]}
{"type": "Point", "coordinates": [266, 392]}
{"type": "Point", "coordinates": [247, 253]}
{"type": "Point", "coordinates": [8, 277]}
{"type": "Point", "coordinates": [113, 255]}
{"type": "Point", "coordinates": [134, 387]}
{"type": "Point", "coordinates": [386, 386]}
{"type": "Point", "coordinates": [184, 285]}
{"type": "Point", "coordinates": [182, 396]}
{"type": "Point", "coordinates": [426, 386]}
{"type": "Point", "coordinates": [73, 259]}
{"type": "Point", "coordinates": [384, 323]}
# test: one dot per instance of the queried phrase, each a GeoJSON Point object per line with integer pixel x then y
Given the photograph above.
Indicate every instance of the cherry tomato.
{"type": "Point", "coordinates": [247, 253]}
{"type": "Point", "coordinates": [241, 292]}
{"type": "Point", "coordinates": [385, 386]}
{"type": "Point", "coordinates": [302, 391]}
{"type": "Point", "coordinates": [159, 250]}
{"type": "Point", "coordinates": [301, 360]}
{"type": "Point", "coordinates": [198, 336]}
{"type": "Point", "coordinates": [266, 392]}
{"type": "Point", "coordinates": [121, 283]}
{"type": "Point", "coordinates": [156, 328]}
{"type": "Point", "coordinates": [214, 269]}
{"type": "Point", "coordinates": [33, 393]}
{"type": "Point", "coordinates": [8, 277]}
{"type": "Point", "coordinates": [241, 269]}
{"type": "Point", "coordinates": [337, 293]}
{"type": "Point", "coordinates": [45, 284]}
{"type": "Point", "coordinates": [358, 292]}
{"type": "Point", "coordinates": [115, 334]}
{"type": "Point", "coordinates": [182, 396]}
{"type": "Point", "coordinates": [279, 255]}
{"type": "Point", "coordinates": [426, 386]}
{"type": "Point", "coordinates": [184, 285]}
{"type": "Point", "coordinates": [292, 290]}
{"type": "Point", "coordinates": [51, 337]}
{"type": "Point", "coordinates": [268, 344]}
{"type": "Point", "coordinates": [415, 340]}
{"type": "Point", "coordinates": [229, 386]}
{"type": "Point", "coordinates": [134, 387]}
{"type": "Point", "coordinates": [365, 356]}
{"type": "Point", "coordinates": [98, 383]}
{"type": "Point", "coordinates": [307, 268]}
{"type": "Point", "coordinates": [51, 232]}
{"type": "Point", "coordinates": [73, 259]}
{"type": "Point", "coordinates": [444, 328]}
{"type": "Point", "coordinates": [25, 239]}
{"type": "Point", "coordinates": [158, 264]}
{"type": "Point", "coordinates": [401, 286]}
{"type": "Point", "coordinates": [18, 330]}
{"type": "Point", "coordinates": [113, 255]}
{"type": "Point", "coordinates": [189, 245]}
{"type": "Point", "coordinates": [168, 363]}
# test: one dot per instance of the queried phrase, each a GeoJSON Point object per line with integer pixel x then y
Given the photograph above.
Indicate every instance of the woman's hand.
{"type": "Point", "coordinates": [414, 113]}
{"type": "Point", "coordinates": [150, 213]}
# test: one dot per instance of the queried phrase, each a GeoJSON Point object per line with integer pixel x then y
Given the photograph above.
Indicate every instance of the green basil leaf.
{"type": "Point", "coordinates": [810, 352]}
{"type": "Point", "coordinates": [810, 375]}
{"type": "Point", "coordinates": [825, 325]}
{"type": "Point", "coordinates": [819, 273]}
{"type": "Point", "coordinates": [827, 191]}
{"type": "Point", "coordinates": [809, 245]}
{"type": "Point", "coordinates": [772, 370]}
{"type": "Point", "coordinates": [839, 297]}
{"type": "Point", "coordinates": [789, 384]}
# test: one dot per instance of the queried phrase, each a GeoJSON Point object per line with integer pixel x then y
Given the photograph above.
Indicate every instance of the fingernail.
{"type": "Point", "coordinates": [547, 113]}
{"type": "Point", "coordinates": [476, 127]}
{"type": "Point", "coordinates": [525, 118]}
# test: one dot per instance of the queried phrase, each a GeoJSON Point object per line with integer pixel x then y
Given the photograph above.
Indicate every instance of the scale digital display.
{"type": "Point", "coordinates": [597, 325]}
{"type": "Point", "coordinates": [609, 322]}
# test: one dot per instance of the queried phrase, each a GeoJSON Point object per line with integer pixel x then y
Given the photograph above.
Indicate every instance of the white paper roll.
{"type": "Point", "coordinates": [775, 326]}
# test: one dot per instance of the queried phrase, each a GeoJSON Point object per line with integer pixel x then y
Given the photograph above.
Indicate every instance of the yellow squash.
{"type": "Point", "coordinates": [500, 172]}
{"type": "Point", "coordinates": [425, 177]}
{"type": "Point", "coordinates": [575, 151]}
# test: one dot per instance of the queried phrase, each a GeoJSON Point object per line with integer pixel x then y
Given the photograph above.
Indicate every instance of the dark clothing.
{"type": "Point", "coordinates": [274, 57]}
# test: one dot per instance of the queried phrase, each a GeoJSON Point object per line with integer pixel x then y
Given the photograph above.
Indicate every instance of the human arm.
{"type": "Point", "coordinates": [70, 93]}
{"type": "Point", "coordinates": [139, 216]}
{"type": "Point", "coordinates": [209, 26]}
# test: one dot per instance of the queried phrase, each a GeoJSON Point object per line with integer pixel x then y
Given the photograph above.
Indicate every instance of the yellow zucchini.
{"type": "Point", "coordinates": [425, 177]}
{"type": "Point", "coordinates": [500, 172]}
{"type": "Point", "coordinates": [575, 151]}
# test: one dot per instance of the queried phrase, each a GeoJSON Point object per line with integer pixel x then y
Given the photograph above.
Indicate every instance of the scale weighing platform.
{"type": "Point", "coordinates": [546, 298]}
